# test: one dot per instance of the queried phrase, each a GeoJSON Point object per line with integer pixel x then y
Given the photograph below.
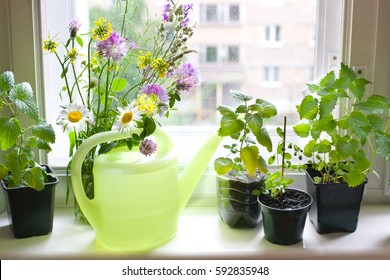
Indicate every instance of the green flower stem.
{"type": "Point", "coordinates": [89, 75]}
{"type": "Point", "coordinates": [70, 95]}
{"type": "Point", "coordinates": [107, 86]}
{"type": "Point", "coordinates": [124, 18]}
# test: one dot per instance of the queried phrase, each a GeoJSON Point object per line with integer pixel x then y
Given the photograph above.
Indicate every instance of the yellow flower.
{"type": "Point", "coordinates": [144, 60]}
{"type": "Point", "coordinates": [161, 66]}
{"type": "Point", "coordinates": [50, 45]}
{"type": "Point", "coordinates": [146, 103]}
{"type": "Point", "coordinates": [72, 55]}
{"type": "Point", "coordinates": [102, 30]}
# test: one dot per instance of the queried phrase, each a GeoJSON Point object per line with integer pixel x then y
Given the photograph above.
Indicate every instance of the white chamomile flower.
{"type": "Point", "coordinates": [126, 120]}
{"type": "Point", "coordinates": [74, 117]}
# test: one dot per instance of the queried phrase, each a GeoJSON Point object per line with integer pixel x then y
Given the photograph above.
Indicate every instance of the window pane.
{"type": "Point", "coordinates": [211, 54]}
{"type": "Point", "coordinates": [234, 13]}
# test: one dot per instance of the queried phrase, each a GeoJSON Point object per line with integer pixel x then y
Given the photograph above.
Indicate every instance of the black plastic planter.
{"type": "Point", "coordinates": [335, 206]}
{"type": "Point", "coordinates": [30, 212]}
{"type": "Point", "coordinates": [281, 225]}
{"type": "Point", "coordinates": [237, 202]}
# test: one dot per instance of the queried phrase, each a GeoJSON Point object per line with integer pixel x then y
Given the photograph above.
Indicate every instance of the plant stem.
{"type": "Point", "coordinates": [284, 143]}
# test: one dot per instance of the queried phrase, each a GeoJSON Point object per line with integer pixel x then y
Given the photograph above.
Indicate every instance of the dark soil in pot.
{"type": "Point", "coordinates": [284, 221]}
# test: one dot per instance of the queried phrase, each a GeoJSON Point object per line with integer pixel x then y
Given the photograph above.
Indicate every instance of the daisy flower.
{"type": "Point", "coordinates": [74, 117]}
{"type": "Point", "coordinates": [126, 120]}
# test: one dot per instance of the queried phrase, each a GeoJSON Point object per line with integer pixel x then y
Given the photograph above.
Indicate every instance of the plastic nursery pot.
{"type": "Point", "coordinates": [335, 206]}
{"type": "Point", "coordinates": [237, 202]}
{"type": "Point", "coordinates": [31, 212]}
{"type": "Point", "coordinates": [284, 224]}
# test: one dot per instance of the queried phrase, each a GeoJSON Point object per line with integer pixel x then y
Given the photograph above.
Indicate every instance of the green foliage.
{"type": "Point", "coordinates": [338, 144]}
{"type": "Point", "coordinates": [18, 142]}
{"type": "Point", "coordinates": [277, 182]}
{"type": "Point", "coordinates": [240, 124]}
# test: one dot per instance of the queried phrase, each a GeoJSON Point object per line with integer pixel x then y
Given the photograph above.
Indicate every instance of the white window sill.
{"type": "Point", "coordinates": [202, 235]}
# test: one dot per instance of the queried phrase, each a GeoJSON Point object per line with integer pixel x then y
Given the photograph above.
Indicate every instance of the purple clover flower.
{"type": "Point", "coordinates": [147, 147]}
{"type": "Point", "coordinates": [114, 47]}
{"type": "Point", "coordinates": [187, 77]}
{"type": "Point", "coordinates": [156, 90]}
{"type": "Point", "coordinates": [74, 27]}
{"type": "Point", "coordinates": [165, 13]}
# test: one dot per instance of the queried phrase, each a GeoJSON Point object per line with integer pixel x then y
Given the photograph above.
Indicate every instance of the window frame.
{"type": "Point", "coordinates": [354, 14]}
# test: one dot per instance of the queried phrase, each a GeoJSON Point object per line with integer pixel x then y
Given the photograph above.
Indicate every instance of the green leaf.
{"type": "Point", "coordinates": [358, 87]}
{"type": "Point", "coordinates": [313, 87]}
{"type": "Point", "coordinates": [324, 146]}
{"type": "Point", "coordinates": [310, 148]}
{"type": "Point", "coordinates": [354, 178]}
{"type": "Point", "coordinates": [3, 171]}
{"type": "Point", "coordinates": [240, 96]}
{"type": "Point", "coordinates": [264, 139]}
{"type": "Point", "coordinates": [347, 72]}
{"type": "Point", "coordinates": [250, 158]}
{"type": "Point", "coordinates": [22, 96]}
{"type": "Point", "coordinates": [361, 161]}
{"type": "Point", "coordinates": [43, 145]}
{"type": "Point", "coordinates": [375, 104]}
{"type": "Point", "coordinates": [44, 131]}
{"type": "Point", "coordinates": [308, 108]}
{"type": "Point", "coordinates": [383, 143]}
{"type": "Point", "coordinates": [327, 124]}
{"type": "Point", "coordinates": [265, 109]}
{"type": "Point", "coordinates": [118, 84]}
{"type": "Point", "coordinates": [327, 104]}
{"type": "Point", "coordinates": [230, 125]}
{"type": "Point", "coordinates": [359, 123]}
{"type": "Point", "coordinates": [302, 130]}
{"type": "Point", "coordinates": [346, 147]}
{"type": "Point", "coordinates": [255, 123]}
{"type": "Point", "coordinates": [377, 123]}
{"type": "Point", "coordinates": [72, 142]}
{"type": "Point", "coordinates": [223, 165]}
{"type": "Point", "coordinates": [16, 164]}
{"type": "Point", "coordinates": [262, 165]}
{"type": "Point", "coordinates": [10, 129]}
{"type": "Point", "coordinates": [328, 79]}
{"type": "Point", "coordinates": [7, 81]}
{"type": "Point", "coordinates": [34, 178]}
{"type": "Point", "coordinates": [79, 40]}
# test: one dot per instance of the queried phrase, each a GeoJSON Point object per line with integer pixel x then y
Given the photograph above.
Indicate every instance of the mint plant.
{"type": "Point", "coordinates": [338, 143]}
{"type": "Point", "coordinates": [277, 182]}
{"type": "Point", "coordinates": [19, 143]}
{"type": "Point", "coordinates": [241, 124]}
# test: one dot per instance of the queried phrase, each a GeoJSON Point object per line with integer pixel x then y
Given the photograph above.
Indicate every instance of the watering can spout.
{"type": "Point", "coordinates": [192, 173]}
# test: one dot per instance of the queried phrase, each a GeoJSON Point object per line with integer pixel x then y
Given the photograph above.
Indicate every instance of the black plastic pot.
{"type": "Point", "coordinates": [237, 202]}
{"type": "Point", "coordinates": [282, 225]}
{"type": "Point", "coordinates": [30, 212]}
{"type": "Point", "coordinates": [335, 206]}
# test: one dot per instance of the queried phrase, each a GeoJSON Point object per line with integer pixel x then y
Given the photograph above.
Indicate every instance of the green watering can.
{"type": "Point", "coordinates": [137, 199]}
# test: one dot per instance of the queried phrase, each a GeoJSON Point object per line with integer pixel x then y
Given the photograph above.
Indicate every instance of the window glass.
{"type": "Point", "coordinates": [228, 56]}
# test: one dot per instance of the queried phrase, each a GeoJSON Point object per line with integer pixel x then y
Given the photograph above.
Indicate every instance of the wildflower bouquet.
{"type": "Point", "coordinates": [114, 82]}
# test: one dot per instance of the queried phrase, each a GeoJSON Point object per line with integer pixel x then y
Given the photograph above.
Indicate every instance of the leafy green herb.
{"type": "Point", "coordinates": [18, 142]}
{"type": "Point", "coordinates": [338, 143]}
{"type": "Point", "coordinates": [241, 124]}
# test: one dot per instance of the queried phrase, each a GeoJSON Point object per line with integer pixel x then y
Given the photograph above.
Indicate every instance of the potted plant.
{"type": "Point", "coordinates": [28, 186]}
{"type": "Point", "coordinates": [241, 173]}
{"type": "Point", "coordinates": [284, 209]}
{"type": "Point", "coordinates": [342, 147]}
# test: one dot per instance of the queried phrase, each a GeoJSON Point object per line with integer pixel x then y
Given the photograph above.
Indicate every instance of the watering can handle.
{"type": "Point", "coordinates": [86, 204]}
